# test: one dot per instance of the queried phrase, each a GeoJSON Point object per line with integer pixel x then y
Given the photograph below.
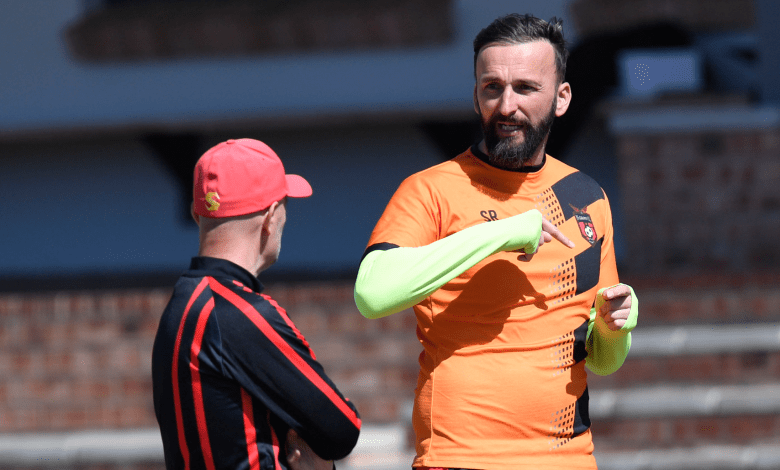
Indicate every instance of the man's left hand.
{"type": "Point", "coordinates": [301, 457]}
{"type": "Point", "coordinates": [616, 307]}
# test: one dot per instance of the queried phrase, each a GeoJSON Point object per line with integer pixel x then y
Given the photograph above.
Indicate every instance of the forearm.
{"type": "Point", "coordinates": [392, 280]}
{"type": "Point", "coordinates": [608, 349]}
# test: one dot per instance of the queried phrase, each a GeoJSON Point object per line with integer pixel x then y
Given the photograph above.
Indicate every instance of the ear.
{"type": "Point", "coordinates": [476, 101]}
{"type": "Point", "coordinates": [269, 215]}
{"type": "Point", "coordinates": [564, 98]}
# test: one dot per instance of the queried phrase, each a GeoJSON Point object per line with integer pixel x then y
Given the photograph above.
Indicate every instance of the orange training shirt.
{"type": "Point", "coordinates": [502, 382]}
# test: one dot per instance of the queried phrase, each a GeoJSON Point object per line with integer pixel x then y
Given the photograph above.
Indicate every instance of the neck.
{"type": "Point", "coordinates": [233, 253]}
{"type": "Point", "coordinates": [534, 164]}
{"type": "Point", "coordinates": [237, 241]}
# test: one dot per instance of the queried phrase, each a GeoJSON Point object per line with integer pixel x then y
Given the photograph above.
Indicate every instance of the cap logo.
{"type": "Point", "coordinates": [211, 201]}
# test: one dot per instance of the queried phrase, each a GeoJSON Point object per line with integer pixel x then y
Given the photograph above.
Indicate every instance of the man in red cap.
{"type": "Point", "coordinates": [236, 385]}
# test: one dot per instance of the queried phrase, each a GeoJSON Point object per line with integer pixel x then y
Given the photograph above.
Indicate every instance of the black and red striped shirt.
{"type": "Point", "coordinates": [232, 374]}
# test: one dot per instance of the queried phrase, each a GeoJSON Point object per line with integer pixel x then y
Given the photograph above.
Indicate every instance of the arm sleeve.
{"type": "Point", "coordinates": [272, 361]}
{"type": "Point", "coordinates": [607, 349]}
{"type": "Point", "coordinates": [389, 281]}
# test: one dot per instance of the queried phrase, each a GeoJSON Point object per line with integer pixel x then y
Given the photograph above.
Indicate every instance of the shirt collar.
{"type": "Point", "coordinates": [526, 169]}
{"type": "Point", "coordinates": [202, 266]}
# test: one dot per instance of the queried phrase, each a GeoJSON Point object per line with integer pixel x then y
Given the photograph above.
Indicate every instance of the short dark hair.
{"type": "Point", "coordinates": [520, 29]}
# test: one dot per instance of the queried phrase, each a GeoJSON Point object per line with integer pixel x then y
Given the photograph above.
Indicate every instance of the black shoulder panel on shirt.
{"type": "Point", "coordinates": [577, 190]}
{"type": "Point", "coordinates": [588, 266]}
{"type": "Point", "coordinates": [378, 246]}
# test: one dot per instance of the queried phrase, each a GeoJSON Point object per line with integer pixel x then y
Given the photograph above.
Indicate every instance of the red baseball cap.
{"type": "Point", "coordinates": [242, 176]}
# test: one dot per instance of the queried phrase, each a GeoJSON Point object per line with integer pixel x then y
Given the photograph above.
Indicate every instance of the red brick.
{"type": "Point", "coordinates": [20, 362]}
{"type": "Point", "coordinates": [145, 355]}
{"type": "Point", "coordinates": [133, 416]}
{"type": "Point", "coordinates": [10, 305]}
{"type": "Point", "coordinates": [130, 301]}
{"type": "Point", "coordinates": [684, 428]}
{"type": "Point", "coordinates": [365, 381]}
{"type": "Point", "coordinates": [379, 409]}
{"type": "Point", "coordinates": [349, 324]}
{"type": "Point", "coordinates": [743, 429]}
{"type": "Point", "coordinates": [60, 390]}
{"type": "Point", "coordinates": [67, 417]}
{"type": "Point", "coordinates": [58, 334]}
{"type": "Point", "coordinates": [98, 332]}
{"type": "Point", "coordinates": [136, 388]}
{"type": "Point", "coordinates": [708, 429]}
{"type": "Point", "coordinates": [773, 366]}
{"type": "Point", "coordinates": [25, 419]}
{"type": "Point", "coordinates": [84, 304]}
{"type": "Point", "coordinates": [121, 357]}
{"type": "Point", "coordinates": [642, 370]}
{"type": "Point", "coordinates": [108, 305]}
{"type": "Point", "coordinates": [84, 362]}
{"type": "Point", "coordinates": [111, 415]}
{"type": "Point", "coordinates": [402, 322]}
{"type": "Point", "coordinates": [310, 321]}
{"type": "Point", "coordinates": [684, 431]}
{"type": "Point", "coordinates": [397, 378]}
{"type": "Point", "coordinates": [349, 310]}
{"type": "Point", "coordinates": [56, 361]}
{"type": "Point", "coordinates": [333, 354]}
{"type": "Point", "coordinates": [97, 389]}
{"type": "Point", "coordinates": [15, 333]}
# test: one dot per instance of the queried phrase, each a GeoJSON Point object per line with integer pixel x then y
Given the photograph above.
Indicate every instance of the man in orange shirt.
{"type": "Point", "coordinates": [507, 328]}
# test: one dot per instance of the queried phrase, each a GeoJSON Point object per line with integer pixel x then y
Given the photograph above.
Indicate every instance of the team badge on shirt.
{"type": "Point", "coordinates": [585, 224]}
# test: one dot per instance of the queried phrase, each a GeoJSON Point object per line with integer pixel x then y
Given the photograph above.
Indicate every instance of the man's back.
{"type": "Point", "coordinates": [232, 375]}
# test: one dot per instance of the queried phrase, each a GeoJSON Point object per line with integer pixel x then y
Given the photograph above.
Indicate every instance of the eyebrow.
{"type": "Point", "coordinates": [489, 79]}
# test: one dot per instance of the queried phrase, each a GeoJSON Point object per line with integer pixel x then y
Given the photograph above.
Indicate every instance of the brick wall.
{"type": "Point", "coordinates": [701, 216]}
{"type": "Point", "coordinates": [78, 360]}
{"type": "Point", "coordinates": [700, 201]}
{"type": "Point", "coordinates": [82, 360]}
{"type": "Point", "coordinates": [684, 301]}
{"type": "Point", "coordinates": [72, 361]}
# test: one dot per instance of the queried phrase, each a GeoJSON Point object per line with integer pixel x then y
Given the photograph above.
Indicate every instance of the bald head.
{"type": "Point", "coordinates": [253, 241]}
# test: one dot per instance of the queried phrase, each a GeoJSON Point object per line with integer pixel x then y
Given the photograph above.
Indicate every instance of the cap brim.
{"type": "Point", "coordinates": [297, 186]}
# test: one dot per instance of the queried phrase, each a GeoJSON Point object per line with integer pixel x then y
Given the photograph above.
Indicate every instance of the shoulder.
{"type": "Point", "coordinates": [573, 187]}
{"type": "Point", "coordinates": [234, 298]}
{"type": "Point", "coordinates": [440, 176]}
{"type": "Point", "coordinates": [447, 169]}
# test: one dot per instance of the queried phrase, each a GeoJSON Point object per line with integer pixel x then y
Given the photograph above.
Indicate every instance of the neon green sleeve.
{"type": "Point", "coordinates": [607, 349]}
{"type": "Point", "coordinates": [389, 281]}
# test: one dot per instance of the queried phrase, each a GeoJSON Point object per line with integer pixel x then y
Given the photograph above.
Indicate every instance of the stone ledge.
{"type": "Point", "coordinates": [677, 400]}
{"type": "Point", "coordinates": [702, 118]}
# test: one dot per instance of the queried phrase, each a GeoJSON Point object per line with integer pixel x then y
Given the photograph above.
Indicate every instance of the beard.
{"type": "Point", "coordinates": [508, 155]}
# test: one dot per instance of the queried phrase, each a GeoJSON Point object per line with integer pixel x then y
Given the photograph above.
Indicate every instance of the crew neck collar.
{"type": "Point", "coordinates": [526, 169]}
{"type": "Point", "coordinates": [201, 266]}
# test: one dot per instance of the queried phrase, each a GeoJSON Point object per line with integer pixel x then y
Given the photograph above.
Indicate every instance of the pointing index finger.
{"type": "Point", "coordinates": [548, 227]}
{"type": "Point", "coordinates": [620, 290]}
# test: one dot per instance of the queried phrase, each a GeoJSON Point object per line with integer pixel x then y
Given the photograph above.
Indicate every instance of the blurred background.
{"type": "Point", "coordinates": [105, 105]}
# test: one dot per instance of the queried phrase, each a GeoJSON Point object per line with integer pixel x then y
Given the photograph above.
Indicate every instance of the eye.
{"type": "Point", "coordinates": [492, 87]}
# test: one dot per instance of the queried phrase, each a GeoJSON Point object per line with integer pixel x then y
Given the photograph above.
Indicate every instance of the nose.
{"type": "Point", "coordinates": [509, 102]}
